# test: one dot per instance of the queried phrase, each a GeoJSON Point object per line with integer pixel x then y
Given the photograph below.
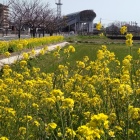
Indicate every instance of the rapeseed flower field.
{"type": "Point", "coordinates": [22, 44]}
{"type": "Point", "coordinates": [94, 100]}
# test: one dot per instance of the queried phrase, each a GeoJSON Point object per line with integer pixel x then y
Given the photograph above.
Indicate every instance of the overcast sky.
{"type": "Point", "coordinates": [107, 11]}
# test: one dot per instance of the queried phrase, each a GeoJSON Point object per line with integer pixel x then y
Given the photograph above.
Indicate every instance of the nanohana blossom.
{"type": "Point", "coordinates": [99, 26]}
{"type": "Point", "coordinates": [129, 42]}
{"type": "Point", "coordinates": [73, 102]}
{"type": "Point", "coordinates": [123, 29]}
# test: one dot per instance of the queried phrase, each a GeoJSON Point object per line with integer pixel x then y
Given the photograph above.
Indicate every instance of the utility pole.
{"type": "Point", "coordinates": [58, 8]}
{"type": "Point", "coordinates": [100, 20]}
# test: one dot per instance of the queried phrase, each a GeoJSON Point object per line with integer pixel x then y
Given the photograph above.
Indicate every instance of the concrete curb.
{"type": "Point", "coordinates": [12, 59]}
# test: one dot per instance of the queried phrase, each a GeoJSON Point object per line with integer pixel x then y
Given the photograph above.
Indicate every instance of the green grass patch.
{"type": "Point", "coordinates": [48, 63]}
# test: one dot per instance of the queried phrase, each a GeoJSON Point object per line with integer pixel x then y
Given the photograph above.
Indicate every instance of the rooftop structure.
{"type": "Point", "coordinates": [82, 20]}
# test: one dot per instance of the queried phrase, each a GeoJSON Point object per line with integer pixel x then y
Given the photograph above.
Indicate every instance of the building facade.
{"type": "Point", "coordinates": [4, 14]}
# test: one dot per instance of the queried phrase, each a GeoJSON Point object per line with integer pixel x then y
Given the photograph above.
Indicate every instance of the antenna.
{"type": "Point", "coordinates": [58, 8]}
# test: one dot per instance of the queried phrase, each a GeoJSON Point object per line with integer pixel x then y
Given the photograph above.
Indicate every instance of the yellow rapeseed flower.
{"type": "Point", "coordinates": [129, 42]}
{"type": "Point", "coordinates": [22, 130]}
{"type": "Point", "coordinates": [6, 66]}
{"type": "Point", "coordinates": [20, 46]}
{"type": "Point", "coordinates": [10, 111]}
{"type": "Point", "coordinates": [25, 42]}
{"type": "Point", "coordinates": [123, 29]}
{"type": "Point", "coordinates": [138, 51]}
{"type": "Point", "coordinates": [70, 133]}
{"type": "Point", "coordinates": [35, 105]}
{"type": "Point", "coordinates": [4, 138]}
{"type": "Point", "coordinates": [67, 103]}
{"type": "Point", "coordinates": [80, 64]}
{"type": "Point", "coordinates": [101, 34]}
{"type": "Point", "coordinates": [84, 131]}
{"type": "Point", "coordinates": [27, 118]}
{"type": "Point", "coordinates": [99, 117]}
{"type": "Point", "coordinates": [49, 102]}
{"type": "Point", "coordinates": [7, 54]}
{"type": "Point", "coordinates": [71, 48]}
{"type": "Point", "coordinates": [138, 122]}
{"type": "Point", "coordinates": [126, 63]}
{"type": "Point", "coordinates": [85, 59]}
{"type": "Point", "coordinates": [111, 133]}
{"type": "Point", "coordinates": [138, 91]}
{"type": "Point", "coordinates": [129, 36]}
{"type": "Point", "coordinates": [42, 51]}
{"type": "Point", "coordinates": [112, 116]}
{"type": "Point", "coordinates": [46, 48]}
{"type": "Point", "coordinates": [57, 92]}
{"type": "Point", "coordinates": [99, 26]}
{"type": "Point", "coordinates": [56, 54]}
{"type": "Point", "coordinates": [36, 123]}
{"type": "Point", "coordinates": [106, 124]}
{"type": "Point", "coordinates": [87, 114]}
{"type": "Point", "coordinates": [59, 134]}
{"type": "Point", "coordinates": [100, 54]}
{"type": "Point", "coordinates": [130, 131]}
{"type": "Point", "coordinates": [23, 63]}
{"type": "Point", "coordinates": [52, 125]}
{"type": "Point", "coordinates": [118, 128]}
{"type": "Point", "coordinates": [25, 56]}
{"type": "Point", "coordinates": [33, 52]}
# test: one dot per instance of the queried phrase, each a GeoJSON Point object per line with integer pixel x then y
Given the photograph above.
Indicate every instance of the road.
{"type": "Point", "coordinates": [12, 37]}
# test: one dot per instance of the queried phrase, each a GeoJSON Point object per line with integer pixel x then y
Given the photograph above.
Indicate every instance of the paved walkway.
{"type": "Point", "coordinates": [12, 59]}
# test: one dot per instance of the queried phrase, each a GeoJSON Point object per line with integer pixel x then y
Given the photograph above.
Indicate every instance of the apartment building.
{"type": "Point", "coordinates": [4, 13]}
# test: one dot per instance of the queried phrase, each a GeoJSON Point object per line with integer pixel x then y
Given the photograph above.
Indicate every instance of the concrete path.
{"type": "Point", "coordinates": [12, 59]}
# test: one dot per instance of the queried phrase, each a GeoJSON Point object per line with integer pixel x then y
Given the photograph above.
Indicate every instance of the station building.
{"type": "Point", "coordinates": [80, 21]}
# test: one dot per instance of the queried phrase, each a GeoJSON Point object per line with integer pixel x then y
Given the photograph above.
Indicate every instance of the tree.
{"type": "Point", "coordinates": [113, 28]}
{"type": "Point", "coordinates": [18, 12]}
{"type": "Point", "coordinates": [45, 17]}
{"type": "Point", "coordinates": [51, 25]}
{"type": "Point", "coordinates": [32, 13]}
{"type": "Point", "coordinates": [55, 24]}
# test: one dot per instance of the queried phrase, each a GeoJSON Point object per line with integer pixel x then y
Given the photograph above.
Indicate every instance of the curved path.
{"type": "Point", "coordinates": [12, 59]}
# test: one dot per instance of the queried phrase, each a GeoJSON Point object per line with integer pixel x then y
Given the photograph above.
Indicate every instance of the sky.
{"type": "Point", "coordinates": [107, 11]}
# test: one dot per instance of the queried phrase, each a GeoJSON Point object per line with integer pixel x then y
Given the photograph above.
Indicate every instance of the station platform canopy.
{"type": "Point", "coordinates": [82, 16]}
{"type": "Point", "coordinates": [76, 20]}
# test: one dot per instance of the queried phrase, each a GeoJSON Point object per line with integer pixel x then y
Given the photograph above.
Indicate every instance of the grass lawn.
{"type": "Point", "coordinates": [47, 62]}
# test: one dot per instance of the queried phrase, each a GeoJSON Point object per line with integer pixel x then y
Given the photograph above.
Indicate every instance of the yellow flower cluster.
{"type": "Point", "coordinates": [92, 129]}
{"type": "Point", "coordinates": [129, 41]}
{"type": "Point", "coordinates": [99, 26]}
{"type": "Point", "coordinates": [18, 45]}
{"type": "Point", "coordinates": [92, 100]}
{"type": "Point", "coordinates": [69, 50]}
{"type": "Point", "coordinates": [3, 138]}
{"type": "Point", "coordinates": [123, 29]}
{"type": "Point", "coordinates": [129, 36]}
{"type": "Point", "coordinates": [3, 47]}
{"type": "Point", "coordinates": [7, 54]}
{"type": "Point", "coordinates": [101, 34]}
